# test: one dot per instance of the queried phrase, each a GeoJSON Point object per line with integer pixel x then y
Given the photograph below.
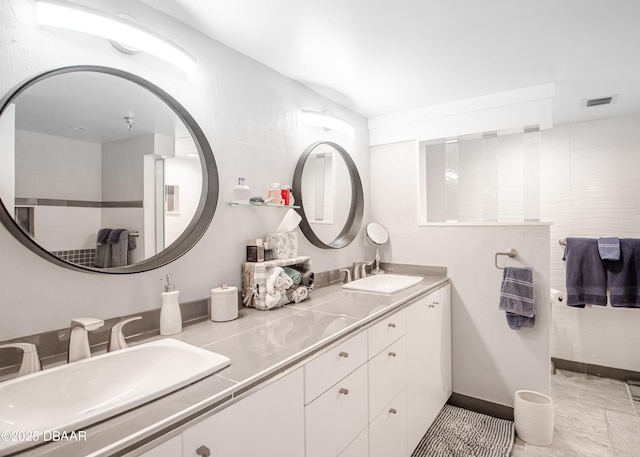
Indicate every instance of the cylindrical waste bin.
{"type": "Point", "coordinates": [533, 416]}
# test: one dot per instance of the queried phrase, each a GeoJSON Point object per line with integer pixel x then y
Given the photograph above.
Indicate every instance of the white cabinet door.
{"type": "Point", "coordinates": [336, 417]}
{"type": "Point", "coordinates": [171, 448]}
{"type": "Point", "coordinates": [428, 361]}
{"type": "Point", "coordinates": [267, 423]}
{"type": "Point", "coordinates": [387, 376]}
{"type": "Point", "coordinates": [388, 431]}
{"type": "Point", "coordinates": [358, 447]}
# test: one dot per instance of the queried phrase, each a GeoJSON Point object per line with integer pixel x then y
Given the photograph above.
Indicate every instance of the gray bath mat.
{"type": "Point", "coordinates": [457, 432]}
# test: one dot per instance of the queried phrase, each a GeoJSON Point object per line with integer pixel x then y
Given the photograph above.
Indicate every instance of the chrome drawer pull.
{"type": "Point", "coordinates": [392, 354]}
{"type": "Point", "coordinates": [203, 451]}
{"type": "Point", "coordinates": [393, 411]}
{"type": "Point", "coordinates": [344, 354]}
{"type": "Point", "coordinates": [392, 325]}
{"type": "Point", "coordinates": [344, 391]}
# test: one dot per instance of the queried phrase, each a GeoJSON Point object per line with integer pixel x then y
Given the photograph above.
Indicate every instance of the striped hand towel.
{"type": "Point", "coordinates": [516, 297]}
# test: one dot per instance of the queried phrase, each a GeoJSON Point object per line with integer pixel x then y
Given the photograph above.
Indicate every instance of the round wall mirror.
{"type": "Point", "coordinates": [329, 189]}
{"type": "Point", "coordinates": [102, 171]}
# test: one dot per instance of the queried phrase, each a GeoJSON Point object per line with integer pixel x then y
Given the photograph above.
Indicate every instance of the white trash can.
{"type": "Point", "coordinates": [533, 417]}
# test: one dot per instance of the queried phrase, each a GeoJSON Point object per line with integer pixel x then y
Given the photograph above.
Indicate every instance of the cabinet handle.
{"type": "Point", "coordinates": [392, 354]}
{"type": "Point", "coordinates": [392, 325]}
{"type": "Point", "coordinates": [393, 411]}
{"type": "Point", "coordinates": [344, 391]}
{"type": "Point", "coordinates": [344, 354]}
{"type": "Point", "coordinates": [203, 451]}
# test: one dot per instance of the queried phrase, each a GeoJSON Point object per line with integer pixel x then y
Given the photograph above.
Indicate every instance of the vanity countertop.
{"type": "Point", "coordinates": [262, 345]}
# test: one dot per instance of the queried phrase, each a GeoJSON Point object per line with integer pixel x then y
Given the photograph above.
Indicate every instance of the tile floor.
{"type": "Point", "coordinates": [594, 417]}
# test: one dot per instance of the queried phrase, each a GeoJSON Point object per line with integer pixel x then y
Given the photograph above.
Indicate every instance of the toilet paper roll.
{"type": "Point", "coordinates": [556, 297]}
{"type": "Point", "coordinates": [224, 303]}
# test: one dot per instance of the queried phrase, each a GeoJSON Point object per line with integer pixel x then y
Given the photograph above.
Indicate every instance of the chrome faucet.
{"type": "Point", "coordinates": [30, 360]}
{"type": "Point", "coordinates": [117, 341]}
{"type": "Point", "coordinates": [347, 275]}
{"type": "Point", "coordinates": [79, 337]}
{"type": "Point", "coordinates": [360, 269]}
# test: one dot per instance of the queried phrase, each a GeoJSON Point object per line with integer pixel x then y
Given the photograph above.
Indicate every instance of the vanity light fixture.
{"type": "Point", "coordinates": [80, 19]}
{"type": "Point", "coordinates": [327, 121]}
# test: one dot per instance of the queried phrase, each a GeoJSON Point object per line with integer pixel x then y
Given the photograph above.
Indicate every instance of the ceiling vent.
{"type": "Point", "coordinates": [587, 103]}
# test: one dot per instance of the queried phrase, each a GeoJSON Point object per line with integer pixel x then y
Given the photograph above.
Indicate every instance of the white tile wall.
{"type": "Point", "coordinates": [589, 188]}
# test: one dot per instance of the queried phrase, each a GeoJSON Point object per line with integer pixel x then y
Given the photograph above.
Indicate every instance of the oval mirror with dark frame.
{"type": "Point", "coordinates": [328, 185]}
{"type": "Point", "coordinates": [103, 171]}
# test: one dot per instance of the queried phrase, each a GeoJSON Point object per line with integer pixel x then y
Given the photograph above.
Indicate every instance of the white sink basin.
{"type": "Point", "coordinates": [74, 395]}
{"type": "Point", "coordinates": [383, 284]}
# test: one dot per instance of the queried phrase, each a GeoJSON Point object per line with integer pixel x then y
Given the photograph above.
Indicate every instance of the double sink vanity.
{"type": "Point", "coordinates": [359, 370]}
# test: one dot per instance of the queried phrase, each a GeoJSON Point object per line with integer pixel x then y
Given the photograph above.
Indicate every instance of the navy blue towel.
{"type": "Point", "coordinates": [516, 297]}
{"type": "Point", "coordinates": [624, 276]}
{"type": "Point", "coordinates": [586, 274]}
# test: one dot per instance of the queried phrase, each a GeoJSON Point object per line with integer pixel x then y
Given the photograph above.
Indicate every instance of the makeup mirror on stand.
{"type": "Point", "coordinates": [377, 235]}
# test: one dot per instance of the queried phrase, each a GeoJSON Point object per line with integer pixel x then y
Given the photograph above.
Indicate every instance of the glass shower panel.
{"type": "Point", "coordinates": [451, 173]}
{"type": "Point", "coordinates": [434, 164]}
{"type": "Point", "coordinates": [490, 177]}
{"type": "Point", "coordinates": [531, 175]}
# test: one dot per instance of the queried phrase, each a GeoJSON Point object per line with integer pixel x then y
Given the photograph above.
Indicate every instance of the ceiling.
{"type": "Point", "coordinates": [379, 57]}
{"type": "Point", "coordinates": [66, 105]}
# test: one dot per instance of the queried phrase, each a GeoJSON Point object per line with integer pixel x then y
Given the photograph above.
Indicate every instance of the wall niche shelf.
{"type": "Point", "coordinates": [261, 205]}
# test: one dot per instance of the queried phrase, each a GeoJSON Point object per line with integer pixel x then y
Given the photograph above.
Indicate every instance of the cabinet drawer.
{"type": "Point", "coordinates": [329, 368]}
{"type": "Point", "coordinates": [387, 375]}
{"type": "Point", "coordinates": [388, 432]}
{"type": "Point", "coordinates": [386, 332]}
{"type": "Point", "coordinates": [267, 423]}
{"type": "Point", "coordinates": [334, 419]}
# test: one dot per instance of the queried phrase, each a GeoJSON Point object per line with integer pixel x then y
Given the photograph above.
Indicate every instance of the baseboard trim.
{"type": "Point", "coordinates": [481, 406]}
{"type": "Point", "coordinates": [595, 370]}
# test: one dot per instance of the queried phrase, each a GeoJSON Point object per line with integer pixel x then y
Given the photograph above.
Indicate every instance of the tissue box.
{"type": "Point", "coordinates": [284, 244]}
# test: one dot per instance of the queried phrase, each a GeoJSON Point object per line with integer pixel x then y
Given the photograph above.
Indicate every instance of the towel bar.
{"type": "Point", "coordinates": [511, 252]}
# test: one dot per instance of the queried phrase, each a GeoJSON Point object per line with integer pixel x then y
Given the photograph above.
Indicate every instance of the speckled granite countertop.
{"type": "Point", "coordinates": [262, 346]}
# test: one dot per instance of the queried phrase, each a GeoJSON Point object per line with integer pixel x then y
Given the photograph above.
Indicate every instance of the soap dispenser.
{"type": "Point", "coordinates": [241, 193]}
{"type": "Point", "coordinates": [170, 316]}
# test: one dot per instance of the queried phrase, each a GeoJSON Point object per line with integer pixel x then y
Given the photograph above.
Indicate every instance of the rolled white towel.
{"type": "Point", "coordinates": [285, 280]}
{"type": "Point", "coordinates": [273, 300]}
{"type": "Point", "coordinates": [273, 275]}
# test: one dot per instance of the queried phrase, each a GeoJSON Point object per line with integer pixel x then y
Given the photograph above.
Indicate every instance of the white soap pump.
{"type": "Point", "coordinates": [170, 316]}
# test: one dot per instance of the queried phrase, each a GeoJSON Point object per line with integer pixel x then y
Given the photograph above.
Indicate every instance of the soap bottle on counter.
{"type": "Point", "coordinates": [241, 193]}
{"type": "Point", "coordinates": [170, 316]}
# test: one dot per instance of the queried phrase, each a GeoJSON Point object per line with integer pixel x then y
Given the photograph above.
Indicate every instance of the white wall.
{"type": "Point", "coordinates": [184, 172]}
{"type": "Point", "coordinates": [49, 166]}
{"type": "Point", "coordinates": [249, 114]}
{"type": "Point", "coordinates": [490, 361]}
{"type": "Point", "coordinates": [122, 168]}
{"type": "Point", "coordinates": [589, 188]}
